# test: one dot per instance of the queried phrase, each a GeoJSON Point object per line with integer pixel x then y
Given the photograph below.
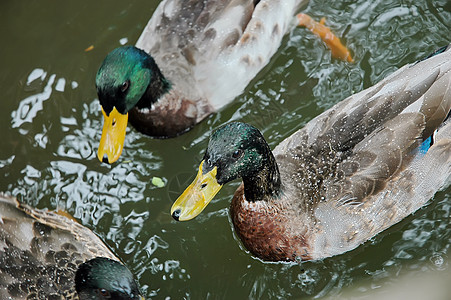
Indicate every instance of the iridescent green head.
{"type": "Point", "coordinates": [127, 78]}
{"type": "Point", "coordinates": [103, 278]}
{"type": "Point", "coordinates": [124, 78]}
{"type": "Point", "coordinates": [237, 150]}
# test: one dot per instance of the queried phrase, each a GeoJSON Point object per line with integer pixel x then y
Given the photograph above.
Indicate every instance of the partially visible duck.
{"type": "Point", "coordinates": [45, 255]}
{"type": "Point", "coordinates": [193, 58]}
{"type": "Point", "coordinates": [351, 172]}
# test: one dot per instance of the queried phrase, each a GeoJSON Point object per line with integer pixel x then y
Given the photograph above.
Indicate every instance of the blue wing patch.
{"type": "Point", "coordinates": [424, 147]}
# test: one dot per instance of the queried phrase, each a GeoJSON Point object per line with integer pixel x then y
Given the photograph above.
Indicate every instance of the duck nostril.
{"type": "Point", "coordinates": [176, 214]}
{"type": "Point", "coordinates": [105, 159]}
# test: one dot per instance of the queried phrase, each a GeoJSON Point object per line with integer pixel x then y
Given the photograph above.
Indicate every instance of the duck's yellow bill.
{"type": "Point", "coordinates": [196, 196]}
{"type": "Point", "coordinates": [113, 135]}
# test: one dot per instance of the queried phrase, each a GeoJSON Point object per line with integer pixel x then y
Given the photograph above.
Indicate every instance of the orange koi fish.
{"type": "Point", "coordinates": [321, 30]}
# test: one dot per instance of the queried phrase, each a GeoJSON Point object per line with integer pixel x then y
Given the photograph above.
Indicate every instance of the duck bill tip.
{"type": "Point", "coordinates": [196, 196]}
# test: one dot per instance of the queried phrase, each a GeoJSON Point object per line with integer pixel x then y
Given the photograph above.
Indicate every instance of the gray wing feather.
{"type": "Point", "coordinates": [367, 139]}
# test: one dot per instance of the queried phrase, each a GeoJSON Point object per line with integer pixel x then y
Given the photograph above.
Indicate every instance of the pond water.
{"type": "Point", "coordinates": [51, 124]}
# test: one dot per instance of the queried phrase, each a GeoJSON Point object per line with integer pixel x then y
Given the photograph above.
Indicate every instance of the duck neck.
{"type": "Point", "coordinates": [265, 183]}
{"type": "Point", "coordinates": [158, 86]}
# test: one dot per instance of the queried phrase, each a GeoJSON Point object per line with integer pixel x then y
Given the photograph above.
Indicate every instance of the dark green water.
{"type": "Point", "coordinates": [51, 126]}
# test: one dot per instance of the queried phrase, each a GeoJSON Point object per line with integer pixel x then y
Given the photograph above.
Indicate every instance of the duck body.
{"type": "Point", "coordinates": [210, 50]}
{"type": "Point", "coordinates": [41, 252]}
{"type": "Point", "coordinates": [203, 53]}
{"type": "Point", "coordinates": [350, 173]}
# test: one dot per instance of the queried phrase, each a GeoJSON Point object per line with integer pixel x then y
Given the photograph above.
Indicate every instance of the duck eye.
{"type": "Point", "coordinates": [104, 293]}
{"type": "Point", "coordinates": [124, 86]}
{"type": "Point", "coordinates": [207, 159]}
{"type": "Point", "coordinates": [237, 153]}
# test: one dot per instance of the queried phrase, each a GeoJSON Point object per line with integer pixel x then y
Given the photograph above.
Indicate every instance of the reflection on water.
{"type": "Point", "coordinates": [31, 105]}
{"type": "Point", "coordinates": [53, 123]}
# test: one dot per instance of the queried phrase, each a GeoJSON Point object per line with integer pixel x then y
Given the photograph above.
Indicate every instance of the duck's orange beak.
{"type": "Point", "coordinates": [113, 135]}
{"type": "Point", "coordinates": [196, 196]}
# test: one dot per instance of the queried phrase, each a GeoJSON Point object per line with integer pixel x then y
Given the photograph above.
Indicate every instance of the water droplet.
{"type": "Point", "coordinates": [438, 261]}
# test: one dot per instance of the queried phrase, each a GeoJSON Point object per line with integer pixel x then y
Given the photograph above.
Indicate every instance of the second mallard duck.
{"type": "Point", "coordinates": [204, 53]}
{"type": "Point", "coordinates": [192, 58]}
{"type": "Point", "coordinates": [353, 171]}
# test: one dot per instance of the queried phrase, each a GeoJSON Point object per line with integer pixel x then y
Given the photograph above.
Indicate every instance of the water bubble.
{"type": "Point", "coordinates": [438, 261]}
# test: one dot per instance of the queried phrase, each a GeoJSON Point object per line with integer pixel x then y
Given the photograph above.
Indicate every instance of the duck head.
{"type": "Point", "coordinates": [103, 278]}
{"type": "Point", "coordinates": [234, 150]}
{"type": "Point", "coordinates": [127, 78]}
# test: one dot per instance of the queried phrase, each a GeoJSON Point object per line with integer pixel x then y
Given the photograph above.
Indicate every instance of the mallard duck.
{"type": "Point", "coordinates": [45, 255]}
{"type": "Point", "coordinates": [192, 58]}
{"type": "Point", "coordinates": [351, 172]}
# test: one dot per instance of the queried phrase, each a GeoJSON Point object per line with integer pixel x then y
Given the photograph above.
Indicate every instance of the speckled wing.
{"type": "Point", "coordinates": [211, 49]}
{"type": "Point", "coordinates": [360, 160]}
{"type": "Point", "coordinates": [372, 135]}
{"type": "Point", "coordinates": [408, 108]}
{"type": "Point", "coordinates": [41, 250]}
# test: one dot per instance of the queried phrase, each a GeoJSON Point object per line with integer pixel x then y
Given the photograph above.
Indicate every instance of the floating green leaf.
{"type": "Point", "coordinates": [157, 181]}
